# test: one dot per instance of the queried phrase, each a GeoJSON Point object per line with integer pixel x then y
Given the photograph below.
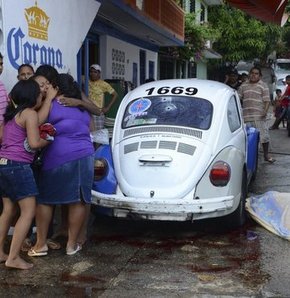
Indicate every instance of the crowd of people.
{"type": "Point", "coordinates": [47, 158]}
{"type": "Point", "coordinates": [256, 93]}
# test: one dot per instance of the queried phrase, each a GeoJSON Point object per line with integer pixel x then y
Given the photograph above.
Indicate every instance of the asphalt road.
{"type": "Point", "coordinates": [164, 259]}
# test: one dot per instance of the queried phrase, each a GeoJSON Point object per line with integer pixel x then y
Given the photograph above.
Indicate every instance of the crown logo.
{"type": "Point", "coordinates": [37, 21]}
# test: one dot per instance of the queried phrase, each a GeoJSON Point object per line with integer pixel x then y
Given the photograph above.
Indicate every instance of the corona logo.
{"type": "Point", "coordinates": [37, 21]}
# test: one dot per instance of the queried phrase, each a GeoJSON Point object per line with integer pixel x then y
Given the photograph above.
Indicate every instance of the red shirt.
{"type": "Point", "coordinates": [286, 97]}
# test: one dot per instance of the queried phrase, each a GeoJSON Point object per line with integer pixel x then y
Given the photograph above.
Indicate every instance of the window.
{"type": "Point", "coordinates": [233, 115]}
{"type": "Point", "coordinates": [169, 110]}
{"type": "Point", "coordinates": [202, 13]}
{"type": "Point", "coordinates": [192, 6]}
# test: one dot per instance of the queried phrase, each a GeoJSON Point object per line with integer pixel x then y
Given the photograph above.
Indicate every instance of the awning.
{"type": "Point", "coordinates": [211, 54]}
{"type": "Point", "coordinates": [270, 11]}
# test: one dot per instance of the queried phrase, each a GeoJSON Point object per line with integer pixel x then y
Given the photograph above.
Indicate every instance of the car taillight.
{"type": "Point", "coordinates": [220, 174]}
{"type": "Point", "coordinates": [101, 168]}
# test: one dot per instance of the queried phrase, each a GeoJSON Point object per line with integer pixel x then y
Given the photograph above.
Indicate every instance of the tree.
{"type": "Point", "coordinates": [195, 37]}
{"type": "Point", "coordinates": [242, 37]}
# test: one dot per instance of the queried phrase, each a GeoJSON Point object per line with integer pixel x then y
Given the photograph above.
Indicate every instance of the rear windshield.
{"type": "Point", "coordinates": [168, 110]}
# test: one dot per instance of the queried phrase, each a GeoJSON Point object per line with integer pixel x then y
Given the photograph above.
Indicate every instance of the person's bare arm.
{"type": "Point", "coordinates": [31, 125]}
{"type": "Point", "coordinates": [112, 101]}
{"type": "Point", "coordinates": [45, 107]}
{"type": "Point", "coordinates": [84, 103]}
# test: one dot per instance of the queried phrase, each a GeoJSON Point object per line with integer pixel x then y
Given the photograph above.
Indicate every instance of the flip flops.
{"type": "Point", "coordinates": [34, 253]}
{"type": "Point", "coordinates": [70, 252]}
{"type": "Point", "coordinates": [270, 159]}
{"type": "Point", "coordinates": [52, 244]}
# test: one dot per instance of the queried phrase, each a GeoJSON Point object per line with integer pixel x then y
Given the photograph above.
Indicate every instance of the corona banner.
{"type": "Point", "coordinates": [43, 32]}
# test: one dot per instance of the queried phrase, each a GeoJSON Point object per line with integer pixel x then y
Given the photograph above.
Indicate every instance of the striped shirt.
{"type": "Point", "coordinates": [254, 96]}
{"type": "Point", "coordinates": [3, 101]}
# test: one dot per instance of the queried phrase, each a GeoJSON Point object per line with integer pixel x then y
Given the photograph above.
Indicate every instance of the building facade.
{"type": "Point", "coordinates": [126, 36]}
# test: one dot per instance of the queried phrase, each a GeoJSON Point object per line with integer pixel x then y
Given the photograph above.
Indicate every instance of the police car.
{"type": "Point", "coordinates": [180, 151]}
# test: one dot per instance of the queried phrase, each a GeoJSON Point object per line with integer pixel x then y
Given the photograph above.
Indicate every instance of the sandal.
{"type": "Point", "coordinates": [270, 159]}
{"type": "Point", "coordinates": [26, 245]}
{"type": "Point", "coordinates": [53, 244]}
{"type": "Point", "coordinates": [71, 252]}
{"type": "Point", "coordinates": [34, 253]}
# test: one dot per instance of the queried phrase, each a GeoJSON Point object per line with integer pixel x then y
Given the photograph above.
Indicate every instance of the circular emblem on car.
{"type": "Point", "coordinates": [140, 106]}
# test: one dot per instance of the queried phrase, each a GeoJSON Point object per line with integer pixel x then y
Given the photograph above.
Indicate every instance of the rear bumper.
{"type": "Point", "coordinates": [173, 209]}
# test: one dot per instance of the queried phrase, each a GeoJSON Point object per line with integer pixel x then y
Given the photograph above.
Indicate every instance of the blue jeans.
{"type": "Point", "coordinates": [16, 180]}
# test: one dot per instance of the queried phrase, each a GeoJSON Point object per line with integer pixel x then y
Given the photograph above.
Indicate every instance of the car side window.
{"type": "Point", "coordinates": [234, 117]}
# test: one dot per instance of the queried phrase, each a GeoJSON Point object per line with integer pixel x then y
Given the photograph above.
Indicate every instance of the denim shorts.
{"type": "Point", "coordinates": [16, 180]}
{"type": "Point", "coordinates": [69, 183]}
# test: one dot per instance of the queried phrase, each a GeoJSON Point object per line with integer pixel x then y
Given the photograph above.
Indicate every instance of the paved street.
{"type": "Point", "coordinates": [161, 259]}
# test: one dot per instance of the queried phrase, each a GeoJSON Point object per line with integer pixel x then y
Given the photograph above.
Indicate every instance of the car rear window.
{"type": "Point", "coordinates": [169, 110]}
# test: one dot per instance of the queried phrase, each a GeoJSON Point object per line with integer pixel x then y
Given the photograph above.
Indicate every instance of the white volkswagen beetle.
{"type": "Point", "coordinates": [180, 151]}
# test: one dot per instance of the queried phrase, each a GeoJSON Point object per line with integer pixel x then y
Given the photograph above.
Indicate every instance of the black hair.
{"type": "Point", "coordinates": [257, 68]}
{"type": "Point", "coordinates": [23, 95]}
{"type": "Point", "coordinates": [149, 80]}
{"type": "Point", "coordinates": [233, 72]}
{"type": "Point", "coordinates": [287, 77]}
{"type": "Point", "coordinates": [68, 87]}
{"type": "Point", "coordinates": [1, 56]}
{"type": "Point", "coordinates": [49, 72]}
{"type": "Point", "coordinates": [278, 90]}
{"type": "Point", "coordinates": [25, 65]}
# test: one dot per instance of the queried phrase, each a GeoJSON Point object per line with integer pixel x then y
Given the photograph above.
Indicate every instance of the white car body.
{"type": "Point", "coordinates": [163, 171]}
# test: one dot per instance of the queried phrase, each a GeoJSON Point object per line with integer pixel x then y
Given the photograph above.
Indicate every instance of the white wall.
{"type": "Point", "coordinates": [35, 32]}
{"type": "Point", "coordinates": [117, 58]}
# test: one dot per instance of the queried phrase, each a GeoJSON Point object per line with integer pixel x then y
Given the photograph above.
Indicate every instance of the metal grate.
{"type": "Point", "coordinates": [165, 129]}
{"type": "Point", "coordinates": [148, 145]}
{"type": "Point", "coordinates": [167, 145]}
{"type": "Point", "coordinates": [131, 147]}
{"type": "Point", "coordinates": [186, 149]}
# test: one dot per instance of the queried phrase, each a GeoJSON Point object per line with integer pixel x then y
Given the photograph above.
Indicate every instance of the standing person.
{"type": "Point", "coordinates": [17, 184]}
{"type": "Point", "coordinates": [285, 99]}
{"type": "Point", "coordinates": [268, 76]}
{"type": "Point", "coordinates": [3, 105]}
{"type": "Point", "coordinates": [66, 177]}
{"type": "Point", "coordinates": [25, 71]}
{"type": "Point", "coordinates": [232, 79]}
{"type": "Point", "coordinates": [3, 97]}
{"type": "Point", "coordinates": [255, 99]}
{"type": "Point", "coordinates": [277, 107]}
{"type": "Point", "coordinates": [46, 76]}
{"type": "Point", "coordinates": [28, 242]}
{"type": "Point", "coordinates": [244, 77]}
{"type": "Point", "coordinates": [97, 90]}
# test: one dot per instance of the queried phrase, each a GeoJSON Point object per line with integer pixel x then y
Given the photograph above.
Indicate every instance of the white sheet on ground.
{"type": "Point", "coordinates": [272, 211]}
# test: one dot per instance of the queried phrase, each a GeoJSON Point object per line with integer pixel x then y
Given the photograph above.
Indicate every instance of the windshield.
{"type": "Point", "coordinates": [283, 66]}
{"type": "Point", "coordinates": [168, 110]}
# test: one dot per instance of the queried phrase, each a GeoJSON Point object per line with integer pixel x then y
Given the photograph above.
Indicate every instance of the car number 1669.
{"type": "Point", "coordinates": [172, 90]}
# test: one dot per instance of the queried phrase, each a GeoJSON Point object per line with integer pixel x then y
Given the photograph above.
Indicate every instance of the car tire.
{"type": "Point", "coordinates": [238, 217]}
